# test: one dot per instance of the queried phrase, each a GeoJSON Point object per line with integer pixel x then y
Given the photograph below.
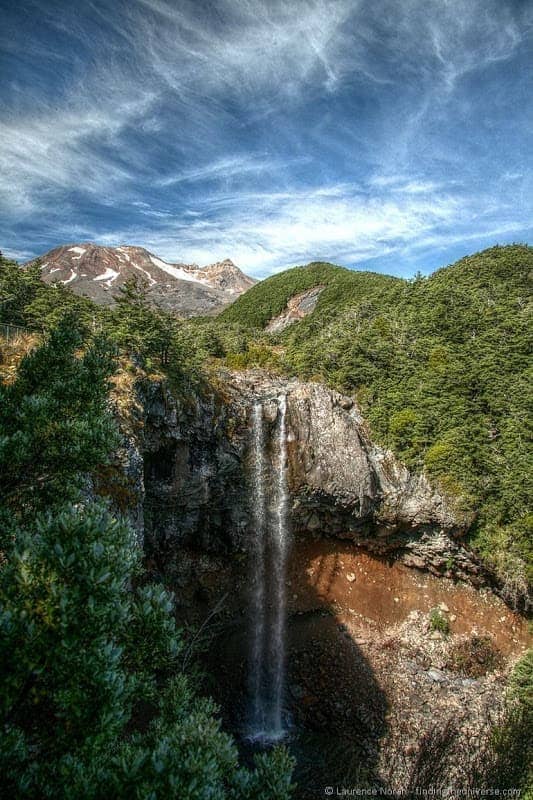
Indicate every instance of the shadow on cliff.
{"type": "Point", "coordinates": [334, 705]}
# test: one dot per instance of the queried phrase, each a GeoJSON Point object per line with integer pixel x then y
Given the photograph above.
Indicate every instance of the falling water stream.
{"type": "Point", "coordinates": [279, 552]}
{"type": "Point", "coordinates": [270, 507]}
{"type": "Point", "coordinates": [258, 565]}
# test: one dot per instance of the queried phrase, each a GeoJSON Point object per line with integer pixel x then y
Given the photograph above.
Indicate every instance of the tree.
{"type": "Point", "coordinates": [18, 287]}
{"type": "Point", "coordinates": [52, 303]}
{"type": "Point", "coordinates": [27, 301]}
{"type": "Point", "coordinates": [140, 328]}
{"type": "Point", "coordinates": [93, 702]}
{"type": "Point", "coordinates": [55, 424]}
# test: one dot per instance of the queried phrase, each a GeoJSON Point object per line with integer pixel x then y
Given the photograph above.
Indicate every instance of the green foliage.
{"type": "Point", "coordinates": [137, 326]}
{"type": "Point", "coordinates": [64, 610]}
{"type": "Point", "coordinates": [54, 422]}
{"type": "Point", "coordinates": [510, 765]}
{"type": "Point", "coordinates": [153, 336]}
{"type": "Point", "coordinates": [150, 335]}
{"type": "Point", "coordinates": [25, 300]}
{"type": "Point", "coordinates": [208, 340]}
{"type": "Point", "coordinates": [438, 621]}
{"type": "Point", "coordinates": [18, 288]}
{"type": "Point", "coordinates": [441, 369]}
{"type": "Point", "coordinates": [255, 355]}
{"type": "Point", "coordinates": [267, 299]}
{"type": "Point", "coordinates": [521, 683]}
{"type": "Point", "coordinates": [508, 550]}
{"type": "Point", "coordinates": [403, 427]}
{"type": "Point", "coordinates": [92, 701]}
{"type": "Point", "coordinates": [52, 304]}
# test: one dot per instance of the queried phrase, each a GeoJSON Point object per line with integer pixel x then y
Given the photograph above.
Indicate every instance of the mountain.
{"type": "Point", "coordinates": [318, 290]}
{"type": "Point", "coordinates": [98, 272]}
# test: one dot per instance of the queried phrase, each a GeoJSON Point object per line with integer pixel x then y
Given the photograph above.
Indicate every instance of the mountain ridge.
{"type": "Point", "coordinates": [98, 272]}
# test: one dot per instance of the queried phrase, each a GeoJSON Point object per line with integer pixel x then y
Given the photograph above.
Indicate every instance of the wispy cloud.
{"type": "Point", "coordinates": [224, 169]}
{"type": "Point", "coordinates": [271, 132]}
{"type": "Point", "coordinates": [268, 232]}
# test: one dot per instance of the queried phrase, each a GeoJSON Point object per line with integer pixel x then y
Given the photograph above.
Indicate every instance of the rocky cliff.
{"type": "Point", "coordinates": [195, 456]}
{"type": "Point", "coordinates": [370, 680]}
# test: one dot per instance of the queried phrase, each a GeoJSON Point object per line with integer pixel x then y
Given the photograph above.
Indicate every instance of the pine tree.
{"type": "Point", "coordinates": [55, 424]}
{"type": "Point", "coordinates": [140, 328]}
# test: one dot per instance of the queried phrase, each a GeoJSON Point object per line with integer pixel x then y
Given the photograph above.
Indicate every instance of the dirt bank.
{"type": "Point", "coordinates": [374, 693]}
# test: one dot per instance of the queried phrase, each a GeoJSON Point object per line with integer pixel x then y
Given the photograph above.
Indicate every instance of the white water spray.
{"type": "Point", "coordinates": [279, 552]}
{"type": "Point", "coordinates": [270, 507]}
{"type": "Point", "coordinates": [258, 555]}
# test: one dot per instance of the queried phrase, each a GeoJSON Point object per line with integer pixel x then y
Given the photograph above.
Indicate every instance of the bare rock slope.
{"type": "Point", "coordinates": [298, 307]}
{"type": "Point", "coordinates": [99, 272]}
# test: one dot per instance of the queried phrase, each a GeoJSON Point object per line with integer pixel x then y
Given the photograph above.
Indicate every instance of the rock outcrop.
{"type": "Point", "coordinates": [298, 307]}
{"type": "Point", "coordinates": [194, 479]}
{"type": "Point", "coordinates": [344, 485]}
{"type": "Point", "coordinates": [337, 471]}
{"type": "Point", "coordinates": [196, 466]}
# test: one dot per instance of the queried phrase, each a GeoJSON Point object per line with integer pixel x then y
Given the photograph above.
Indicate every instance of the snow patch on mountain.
{"type": "Point", "coordinates": [109, 275]}
{"type": "Point", "coordinates": [176, 272]}
{"type": "Point", "coordinates": [151, 280]}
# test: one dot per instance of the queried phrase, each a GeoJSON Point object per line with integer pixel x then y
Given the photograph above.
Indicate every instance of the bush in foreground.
{"type": "Point", "coordinates": [93, 700]}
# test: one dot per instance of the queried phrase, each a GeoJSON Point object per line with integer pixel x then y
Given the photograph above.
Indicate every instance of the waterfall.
{"type": "Point", "coordinates": [270, 506]}
{"type": "Point", "coordinates": [279, 551]}
{"type": "Point", "coordinates": [258, 565]}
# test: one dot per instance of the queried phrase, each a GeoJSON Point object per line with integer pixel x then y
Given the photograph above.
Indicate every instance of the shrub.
{"type": "Point", "coordinates": [509, 765]}
{"type": "Point", "coordinates": [93, 703]}
{"type": "Point", "coordinates": [438, 621]}
{"type": "Point", "coordinates": [256, 355]}
{"type": "Point", "coordinates": [54, 420]}
{"type": "Point", "coordinates": [474, 657]}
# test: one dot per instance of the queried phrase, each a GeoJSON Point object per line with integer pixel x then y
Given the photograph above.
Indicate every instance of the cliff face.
{"type": "Point", "coordinates": [196, 453]}
{"type": "Point", "coordinates": [194, 479]}
{"type": "Point", "coordinates": [298, 307]}
{"type": "Point", "coordinates": [335, 466]}
{"type": "Point", "coordinates": [366, 671]}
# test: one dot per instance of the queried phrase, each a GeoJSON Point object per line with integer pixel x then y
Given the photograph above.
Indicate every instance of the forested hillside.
{"type": "Point", "coordinates": [342, 288]}
{"type": "Point", "coordinates": [440, 367]}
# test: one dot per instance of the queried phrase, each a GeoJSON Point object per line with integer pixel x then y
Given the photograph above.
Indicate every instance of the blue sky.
{"type": "Point", "coordinates": [392, 135]}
